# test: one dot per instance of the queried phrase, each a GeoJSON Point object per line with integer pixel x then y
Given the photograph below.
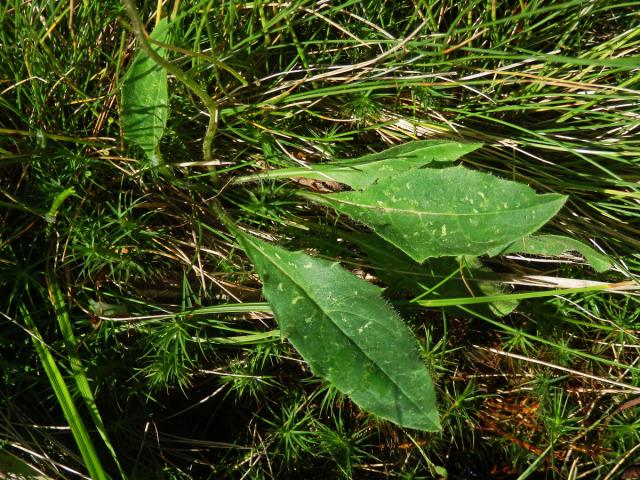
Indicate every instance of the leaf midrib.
{"type": "Point", "coordinates": [314, 301]}
{"type": "Point", "coordinates": [421, 213]}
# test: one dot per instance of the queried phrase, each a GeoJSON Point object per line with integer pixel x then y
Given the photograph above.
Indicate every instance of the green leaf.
{"type": "Point", "coordinates": [366, 170]}
{"type": "Point", "coordinates": [554, 245]}
{"type": "Point", "coordinates": [347, 333]}
{"type": "Point", "coordinates": [445, 277]}
{"type": "Point", "coordinates": [447, 212]}
{"type": "Point", "coordinates": [145, 98]}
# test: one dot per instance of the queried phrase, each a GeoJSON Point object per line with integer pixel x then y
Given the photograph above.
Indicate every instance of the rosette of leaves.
{"type": "Point", "coordinates": [427, 216]}
{"type": "Point", "coordinates": [430, 218]}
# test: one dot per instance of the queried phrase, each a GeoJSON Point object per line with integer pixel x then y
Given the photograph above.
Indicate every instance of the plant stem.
{"type": "Point", "coordinates": [224, 217]}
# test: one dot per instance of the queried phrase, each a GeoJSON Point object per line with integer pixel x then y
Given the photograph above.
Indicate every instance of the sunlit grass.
{"type": "Point", "coordinates": [184, 362]}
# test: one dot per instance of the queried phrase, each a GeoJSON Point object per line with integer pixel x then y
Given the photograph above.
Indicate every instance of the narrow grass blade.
{"type": "Point", "coordinates": [78, 429]}
{"type": "Point", "coordinates": [444, 302]}
{"type": "Point", "coordinates": [71, 346]}
{"type": "Point", "coordinates": [534, 465]}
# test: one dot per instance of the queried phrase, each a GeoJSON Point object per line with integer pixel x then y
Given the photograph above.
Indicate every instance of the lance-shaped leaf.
{"type": "Point", "coordinates": [447, 212]}
{"type": "Point", "coordinates": [366, 170]}
{"type": "Point", "coordinates": [145, 98]}
{"type": "Point", "coordinates": [347, 334]}
{"type": "Point", "coordinates": [554, 245]}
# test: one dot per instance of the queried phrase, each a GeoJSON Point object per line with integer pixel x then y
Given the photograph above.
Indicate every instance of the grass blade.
{"type": "Point", "coordinates": [78, 429]}
{"type": "Point", "coordinates": [71, 346]}
{"type": "Point", "coordinates": [532, 468]}
{"type": "Point", "coordinates": [445, 302]}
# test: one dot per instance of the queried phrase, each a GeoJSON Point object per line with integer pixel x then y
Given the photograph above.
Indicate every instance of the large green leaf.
{"type": "Point", "coordinates": [347, 333]}
{"type": "Point", "coordinates": [554, 245]}
{"type": "Point", "coordinates": [366, 170]}
{"type": "Point", "coordinates": [447, 212]}
{"type": "Point", "coordinates": [445, 277]}
{"type": "Point", "coordinates": [145, 98]}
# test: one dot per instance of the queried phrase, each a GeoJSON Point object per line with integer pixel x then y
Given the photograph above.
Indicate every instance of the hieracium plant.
{"type": "Point", "coordinates": [425, 216]}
